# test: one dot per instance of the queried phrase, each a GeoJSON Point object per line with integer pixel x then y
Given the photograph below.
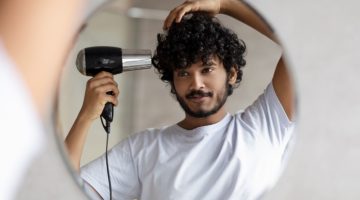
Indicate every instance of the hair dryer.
{"type": "Point", "coordinates": [93, 60]}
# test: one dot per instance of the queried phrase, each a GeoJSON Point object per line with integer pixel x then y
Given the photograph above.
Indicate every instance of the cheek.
{"type": "Point", "coordinates": [218, 82]}
{"type": "Point", "coordinates": [178, 87]}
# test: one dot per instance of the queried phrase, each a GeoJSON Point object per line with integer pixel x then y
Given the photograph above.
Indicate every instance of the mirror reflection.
{"type": "Point", "coordinates": [211, 120]}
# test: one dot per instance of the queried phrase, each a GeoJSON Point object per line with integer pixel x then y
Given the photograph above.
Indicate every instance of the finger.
{"type": "Point", "coordinates": [112, 100]}
{"type": "Point", "coordinates": [115, 91]}
{"type": "Point", "coordinates": [177, 14]}
{"type": "Point", "coordinates": [108, 98]}
{"type": "Point", "coordinates": [182, 12]}
{"type": "Point", "coordinates": [107, 88]}
{"type": "Point", "coordinates": [103, 74]}
{"type": "Point", "coordinates": [99, 81]}
{"type": "Point", "coordinates": [171, 17]}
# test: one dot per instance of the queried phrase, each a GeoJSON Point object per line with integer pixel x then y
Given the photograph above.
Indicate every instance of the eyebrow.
{"type": "Point", "coordinates": [208, 63]}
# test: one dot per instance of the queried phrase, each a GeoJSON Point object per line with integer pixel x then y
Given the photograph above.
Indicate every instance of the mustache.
{"type": "Point", "coordinates": [198, 93]}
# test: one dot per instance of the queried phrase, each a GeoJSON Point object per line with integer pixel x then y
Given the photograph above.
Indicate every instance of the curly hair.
{"type": "Point", "coordinates": [197, 36]}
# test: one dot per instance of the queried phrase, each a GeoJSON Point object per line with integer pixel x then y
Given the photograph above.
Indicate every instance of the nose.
{"type": "Point", "coordinates": [197, 82]}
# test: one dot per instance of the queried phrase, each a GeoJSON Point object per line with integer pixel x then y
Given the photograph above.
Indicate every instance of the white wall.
{"type": "Point", "coordinates": [322, 39]}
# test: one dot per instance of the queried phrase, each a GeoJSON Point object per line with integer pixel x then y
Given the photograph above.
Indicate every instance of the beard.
{"type": "Point", "coordinates": [202, 113]}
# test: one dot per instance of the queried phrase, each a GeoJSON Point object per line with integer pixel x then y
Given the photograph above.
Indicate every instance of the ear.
{"type": "Point", "coordinates": [232, 76]}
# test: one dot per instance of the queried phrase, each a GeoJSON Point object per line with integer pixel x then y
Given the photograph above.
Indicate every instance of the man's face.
{"type": "Point", "coordinates": [201, 89]}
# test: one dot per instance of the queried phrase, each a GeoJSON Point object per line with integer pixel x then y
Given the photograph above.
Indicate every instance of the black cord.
{"type": "Point", "coordinates": [107, 165]}
{"type": "Point", "coordinates": [107, 129]}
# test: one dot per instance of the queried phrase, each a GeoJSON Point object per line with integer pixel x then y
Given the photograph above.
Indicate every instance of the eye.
{"type": "Point", "coordinates": [182, 73]}
{"type": "Point", "coordinates": [207, 70]}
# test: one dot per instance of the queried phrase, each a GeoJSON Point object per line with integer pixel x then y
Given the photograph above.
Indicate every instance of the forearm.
{"type": "Point", "coordinates": [242, 12]}
{"type": "Point", "coordinates": [281, 80]}
{"type": "Point", "coordinates": [76, 138]}
{"type": "Point", "coordinates": [284, 88]}
{"type": "Point", "coordinates": [93, 105]}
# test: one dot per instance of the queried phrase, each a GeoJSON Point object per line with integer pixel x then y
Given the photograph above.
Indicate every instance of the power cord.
{"type": "Point", "coordinates": [107, 130]}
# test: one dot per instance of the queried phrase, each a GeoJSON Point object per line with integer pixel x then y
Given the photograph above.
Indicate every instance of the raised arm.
{"type": "Point", "coordinates": [94, 102]}
{"type": "Point", "coordinates": [243, 12]}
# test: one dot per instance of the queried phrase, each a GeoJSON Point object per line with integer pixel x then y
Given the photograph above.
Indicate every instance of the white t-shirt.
{"type": "Point", "coordinates": [240, 157]}
{"type": "Point", "coordinates": [21, 132]}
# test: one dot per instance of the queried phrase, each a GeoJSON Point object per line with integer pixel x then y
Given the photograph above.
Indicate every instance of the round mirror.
{"type": "Point", "coordinates": [146, 102]}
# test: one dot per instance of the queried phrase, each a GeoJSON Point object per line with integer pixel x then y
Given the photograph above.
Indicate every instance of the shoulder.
{"type": "Point", "coordinates": [267, 118]}
{"type": "Point", "coordinates": [266, 107]}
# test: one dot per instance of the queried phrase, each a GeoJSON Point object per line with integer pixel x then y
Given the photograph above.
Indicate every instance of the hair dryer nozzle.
{"type": "Point", "coordinates": [135, 59]}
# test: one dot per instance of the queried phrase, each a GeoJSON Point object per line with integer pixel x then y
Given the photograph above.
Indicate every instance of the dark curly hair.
{"type": "Point", "coordinates": [197, 36]}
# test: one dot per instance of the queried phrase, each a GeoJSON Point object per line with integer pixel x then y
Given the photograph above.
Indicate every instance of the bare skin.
{"type": "Point", "coordinates": [37, 35]}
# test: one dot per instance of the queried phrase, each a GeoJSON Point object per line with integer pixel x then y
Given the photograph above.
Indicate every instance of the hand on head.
{"type": "Point", "coordinates": [213, 7]}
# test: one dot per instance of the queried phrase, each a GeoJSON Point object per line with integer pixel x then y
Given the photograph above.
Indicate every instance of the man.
{"type": "Point", "coordinates": [210, 154]}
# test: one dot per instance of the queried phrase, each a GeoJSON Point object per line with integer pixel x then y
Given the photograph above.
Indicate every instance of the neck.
{"type": "Point", "coordinates": [193, 122]}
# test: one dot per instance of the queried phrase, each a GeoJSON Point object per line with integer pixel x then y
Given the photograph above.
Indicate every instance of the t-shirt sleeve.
{"type": "Point", "coordinates": [123, 173]}
{"type": "Point", "coordinates": [267, 117]}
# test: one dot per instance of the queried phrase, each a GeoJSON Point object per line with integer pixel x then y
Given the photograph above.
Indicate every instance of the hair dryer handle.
{"type": "Point", "coordinates": [108, 111]}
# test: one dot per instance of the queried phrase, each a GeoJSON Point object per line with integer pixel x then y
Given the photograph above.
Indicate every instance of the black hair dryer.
{"type": "Point", "coordinates": [93, 60]}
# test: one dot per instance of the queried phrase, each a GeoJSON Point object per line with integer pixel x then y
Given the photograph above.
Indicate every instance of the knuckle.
{"type": "Point", "coordinates": [197, 4]}
{"type": "Point", "coordinates": [104, 73]}
{"type": "Point", "coordinates": [90, 84]}
{"type": "Point", "coordinates": [98, 90]}
{"type": "Point", "coordinates": [110, 79]}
